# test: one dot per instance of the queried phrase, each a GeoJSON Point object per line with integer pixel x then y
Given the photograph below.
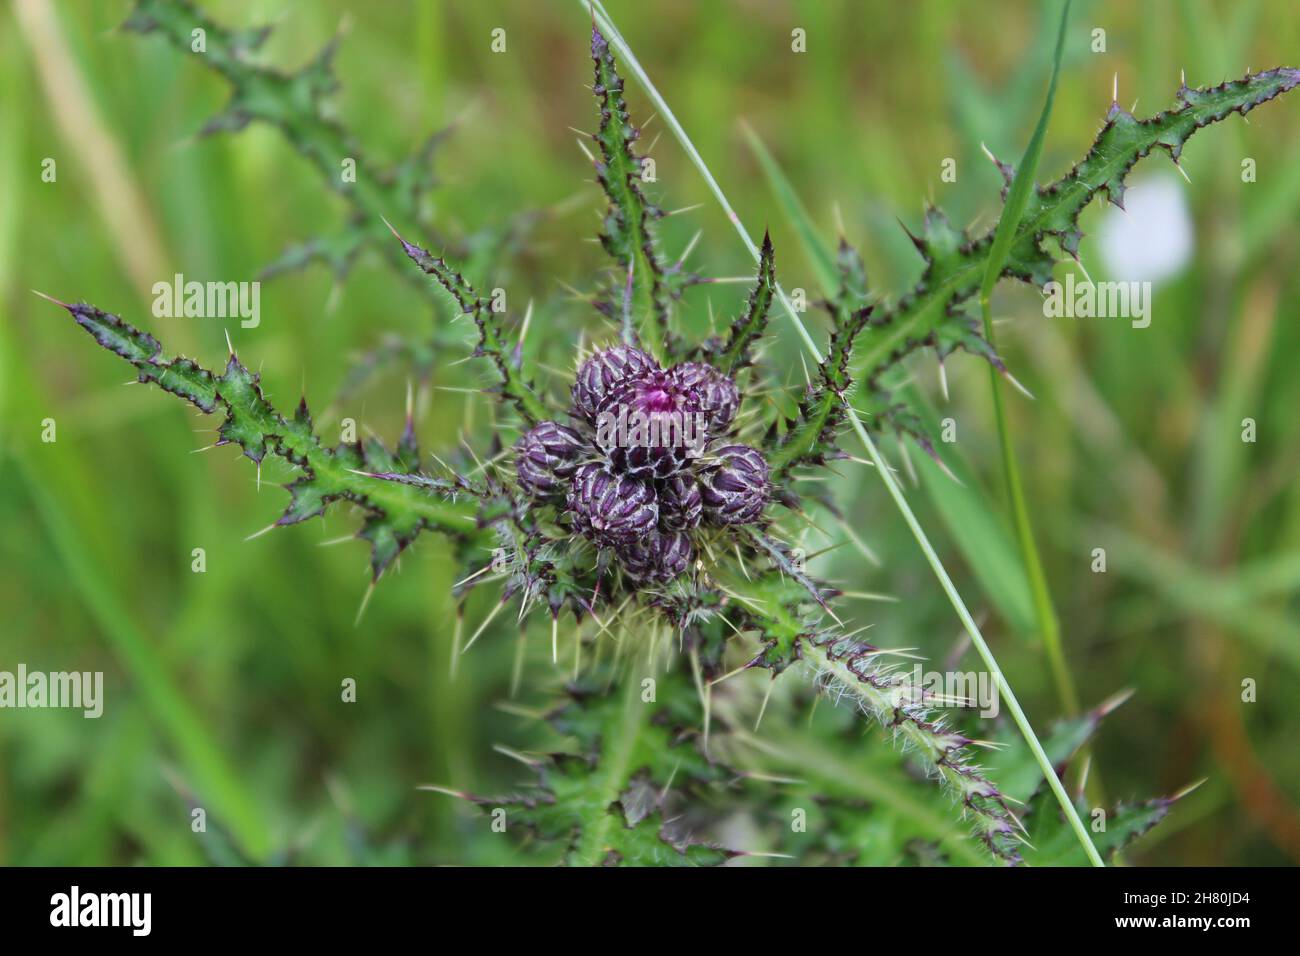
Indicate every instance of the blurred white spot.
{"type": "Point", "coordinates": [1152, 240]}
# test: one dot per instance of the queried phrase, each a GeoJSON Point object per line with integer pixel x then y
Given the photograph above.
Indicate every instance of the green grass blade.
{"type": "Point", "coordinates": [1017, 199]}
{"type": "Point", "coordinates": [213, 775]}
{"type": "Point", "coordinates": [1018, 196]}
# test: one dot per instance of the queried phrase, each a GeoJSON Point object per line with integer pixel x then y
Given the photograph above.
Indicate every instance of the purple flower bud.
{"type": "Point", "coordinates": [609, 508]}
{"type": "Point", "coordinates": [734, 485]}
{"type": "Point", "coordinates": [680, 503]}
{"type": "Point", "coordinates": [646, 426]}
{"type": "Point", "coordinates": [545, 455]}
{"type": "Point", "coordinates": [708, 391]}
{"type": "Point", "coordinates": [604, 371]}
{"type": "Point", "coordinates": [656, 557]}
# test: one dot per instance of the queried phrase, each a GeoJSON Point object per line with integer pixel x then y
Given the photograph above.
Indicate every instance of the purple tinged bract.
{"type": "Point", "coordinates": [609, 508]}
{"type": "Point", "coordinates": [604, 372]}
{"type": "Point", "coordinates": [546, 455]}
{"type": "Point", "coordinates": [709, 392]}
{"type": "Point", "coordinates": [657, 557]}
{"type": "Point", "coordinates": [649, 425]}
{"type": "Point", "coordinates": [644, 464]}
{"type": "Point", "coordinates": [680, 503]}
{"type": "Point", "coordinates": [734, 485]}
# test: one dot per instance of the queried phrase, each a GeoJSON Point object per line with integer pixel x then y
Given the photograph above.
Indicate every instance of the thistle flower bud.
{"type": "Point", "coordinates": [656, 557]}
{"type": "Point", "coordinates": [709, 392]}
{"type": "Point", "coordinates": [647, 427]}
{"type": "Point", "coordinates": [603, 372]}
{"type": "Point", "coordinates": [610, 508]}
{"type": "Point", "coordinates": [735, 486]}
{"type": "Point", "coordinates": [680, 504]}
{"type": "Point", "coordinates": [546, 455]}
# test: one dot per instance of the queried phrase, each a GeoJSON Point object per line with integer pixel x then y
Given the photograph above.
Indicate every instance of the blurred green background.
{"type": "Point", "coordinates": [223, 687]}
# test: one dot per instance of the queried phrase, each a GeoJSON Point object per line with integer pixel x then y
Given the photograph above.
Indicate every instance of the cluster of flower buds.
{"type": "Point", "coordinates": [647, 460]}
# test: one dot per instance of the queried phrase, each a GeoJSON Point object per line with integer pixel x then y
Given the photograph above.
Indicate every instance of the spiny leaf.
{"type": "Point", "coordinates": [298, 104]}
{"type": "Point", "coordinates": [850, 668]}
{"type": "Point", "coordinates": [988, 546]}
{"type": "Point", "coordinates": [337, 253]}
{"type": "Point", "coordinates": [864, 803]}
{"type": "Point", "coordinates": [395, 513]}
{"type": "Point", "coordinates": [788, 622]}
{"type": "Point", "coordinates": [810, 437]}
{"type": "Point", "coordinates": [956, 264]}
{"type": "Point", "coordinates": [850, 314]}
{"type": "Point", "coordinates": [748, 328]}
{"type": "Point", "coordinates": [642, 299]}
{"type": "Point", "coordinates": [784, 562]}
{"type": "Point", "coordinates": [604, 801]}
{"type": "Point", "coordinates": [491, 344]}
{"type": "Point", "coordinates": [777, 607]}
{"type": "Point", "coordinates": [1051, 842]}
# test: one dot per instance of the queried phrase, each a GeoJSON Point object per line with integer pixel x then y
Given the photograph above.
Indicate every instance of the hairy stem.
{"type": "Point", "coordinates": [846, 669]}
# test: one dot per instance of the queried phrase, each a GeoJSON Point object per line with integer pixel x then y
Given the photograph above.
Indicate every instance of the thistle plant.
{"type": "Point", "coordinates": [655, 512]}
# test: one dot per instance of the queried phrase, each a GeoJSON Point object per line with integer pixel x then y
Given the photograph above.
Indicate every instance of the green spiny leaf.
{"type": "Point", "coordinates": [491, 344]}
{"type": "Point", "coordinates": [810, 438]}
{"type": "Point", "coordinates": [847, 667]}
{"type": "Point", "coordinates": [785, 563]}
{"type": "Point", "coordinates": [955, 264]}
{"type": "Point", "coordinates": [779, 608]}
{"type": "Point", "coordinates": [1050, 840]}
{"type": "Point", "coordinates": [628, 234]}
{"type": "Point", "coordinates": [604, 800]}
{"type": "Point", "coordinates": [748, 328]}
{"type": "Point", "coordinates": [298, 105]}
{"type": "Point", "coordinates": [985, 541]}
{"type": "Point", "coordinates": [788, 622]}
{"type": "Point", "coordinates": [395, 513]}
{"type": "Point", "coordinates": [1052, 843]}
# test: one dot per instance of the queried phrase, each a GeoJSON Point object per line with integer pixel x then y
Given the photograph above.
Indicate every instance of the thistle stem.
{"type": "Point", "coordinates": [606, 24]}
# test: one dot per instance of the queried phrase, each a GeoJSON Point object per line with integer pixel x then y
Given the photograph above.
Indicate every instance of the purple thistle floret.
{"type": "Point", "coordinates": [648, 425]}
{"type": "Point", "coordinates": [610, 508]}
{"type": "Point", "coordinates": [644, 465]}
{"type": "Point", "coordinates": [709, 392]}
{"type": "Point", "coordinates": [734, 485]}
{"type": "Point", "coordinates": [546, 456]}
{"type": "Point", "coordinates": [657, 557]}
{"type": "Point", "coordinates": [680, 503]}
{"type": "Point", "coordinates": [604, 372]}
